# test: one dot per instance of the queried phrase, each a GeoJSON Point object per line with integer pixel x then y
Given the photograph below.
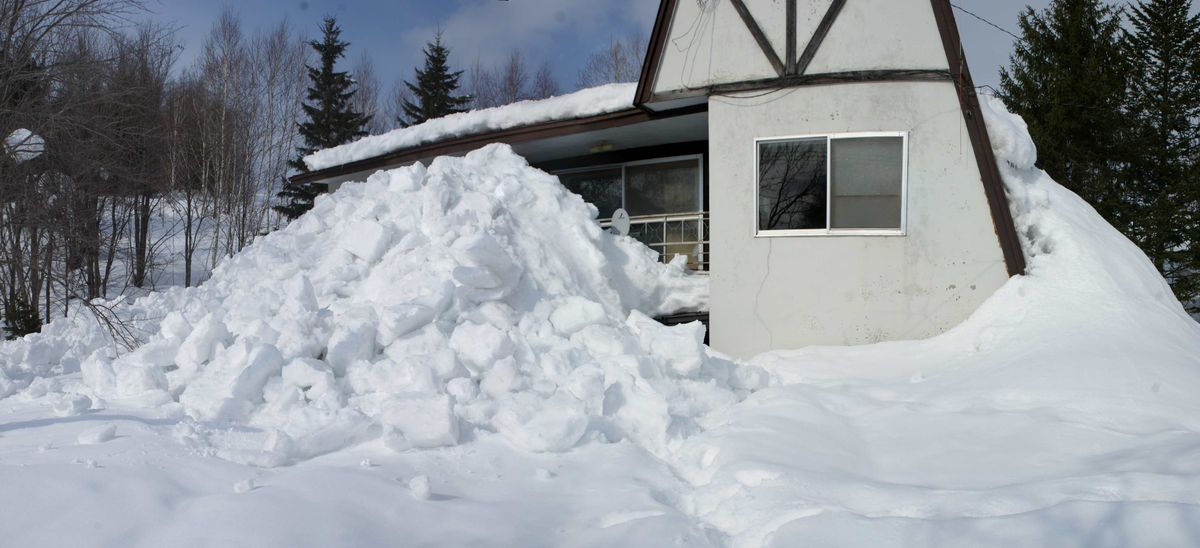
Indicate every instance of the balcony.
{"type": "Point", "coordinates": [673, 234]}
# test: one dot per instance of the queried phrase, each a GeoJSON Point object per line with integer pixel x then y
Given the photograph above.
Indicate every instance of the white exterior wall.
{"type": "Point", "coordinates": [787, 292]}
{"type": "Point", "coordinates": [709, 44]}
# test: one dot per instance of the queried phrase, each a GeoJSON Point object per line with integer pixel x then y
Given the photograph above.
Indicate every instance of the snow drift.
{"type": "Point", "coordinates": [423, 305]}
{"type": "Point", "coordinates": [1064, 412]}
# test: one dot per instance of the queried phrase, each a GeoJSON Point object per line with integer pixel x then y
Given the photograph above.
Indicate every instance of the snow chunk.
{"type": "Point", "coordinates": [367, 240]}
{"type": "Point", "coordinates": [414, 421]}
{"type": "Point", "coordinates": [419, 487]}
{"type": "Point", "coordinates": [69, 405]}
{"type": "Point", "coordinates": [575, 314]}
{"type": "Point", "coordinates": [97, 435]}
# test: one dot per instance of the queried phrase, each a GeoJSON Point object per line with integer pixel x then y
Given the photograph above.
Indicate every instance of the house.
{"type": "Point", "coordinates": [824, 161]}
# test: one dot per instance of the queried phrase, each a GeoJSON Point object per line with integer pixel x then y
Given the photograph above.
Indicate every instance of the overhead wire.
{"type": "Point", "coordinates": [984, 20]}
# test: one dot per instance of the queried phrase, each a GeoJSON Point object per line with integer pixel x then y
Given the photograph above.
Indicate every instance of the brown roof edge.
{"type": "Point", "coordinates": [654, 52]}
{"type": "Point", "coordinates": [544, 130]}
{"type": "Point", "coordinates": [993, 185]}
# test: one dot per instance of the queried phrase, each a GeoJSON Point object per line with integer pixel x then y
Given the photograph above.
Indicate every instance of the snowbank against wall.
{"type": "Point", "coordinates": [1063, 412]}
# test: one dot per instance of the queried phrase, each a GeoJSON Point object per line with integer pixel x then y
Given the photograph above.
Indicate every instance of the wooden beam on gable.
{"type": "Point", "coordinates": [654, 52]}
{"type": "Point", "coordinates": [804, 80]}
{"type": "Point", "coordinates": [757, 33]}
{"type": "Point", "coordinates": [818, 37]}
{"type": "Point", "coordinates": [791, 36]}
{"type": "Point", "coordinates": [993, 184]}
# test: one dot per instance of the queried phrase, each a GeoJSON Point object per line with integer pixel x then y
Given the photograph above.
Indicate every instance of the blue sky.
{"type": "Point", "coordinates": [560, 32]}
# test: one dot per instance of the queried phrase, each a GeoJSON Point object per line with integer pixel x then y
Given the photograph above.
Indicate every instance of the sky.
{"type": "Point", "coordinates": [559, 32]}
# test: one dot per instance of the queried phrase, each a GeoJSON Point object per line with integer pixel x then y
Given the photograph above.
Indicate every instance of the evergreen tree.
{"type": "Point", "coordinates": [435, 89]}
{"type": "Point", "coordinates": [1163, 106]}
{"type": "Point", "coordinates": [1067, 78]}
{"type": "Point", "coordinates": [331, 119]}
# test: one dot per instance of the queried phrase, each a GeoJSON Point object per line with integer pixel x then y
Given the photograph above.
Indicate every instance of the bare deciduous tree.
{"type": "Point", "coordinates": [366, 98]}
{"type": "Point", "coordinates": [621, 61]}
{"type": "Point", "coordinates": [544, 84]}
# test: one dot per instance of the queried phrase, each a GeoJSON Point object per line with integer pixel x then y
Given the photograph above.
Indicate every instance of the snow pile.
{"type": "Point", "coordinates": [24, 145]}
{"type": "Point", "coordinates": [424, 305]}
{"type": "Point", "coordinates": [1064, 412]}
{"type": "Point", "coordinates": [585, 102]}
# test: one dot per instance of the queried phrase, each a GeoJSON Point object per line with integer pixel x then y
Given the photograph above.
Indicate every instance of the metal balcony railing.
{"type": "Point", "coordinates": [673, 234]}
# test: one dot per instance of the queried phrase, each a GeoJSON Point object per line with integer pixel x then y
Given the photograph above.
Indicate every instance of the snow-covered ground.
{"type": "Point", "coordinates": [431, 358]}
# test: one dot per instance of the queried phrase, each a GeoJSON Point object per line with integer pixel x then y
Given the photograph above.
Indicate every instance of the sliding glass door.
{"type": "Point", "coordinates": [664, 198]}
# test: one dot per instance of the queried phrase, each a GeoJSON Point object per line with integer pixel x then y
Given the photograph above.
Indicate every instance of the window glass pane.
{"type": "Point", "coordinates": [668, 187]}
{"type": "Point", "coordinates": [867, 178]}
{"type": "Point", "coordinates": [791, 184]}
{"type": "Point", "coordinates": [600, 188]}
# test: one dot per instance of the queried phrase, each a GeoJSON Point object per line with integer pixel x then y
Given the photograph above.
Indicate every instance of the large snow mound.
{"type": "Point", "coordinates": [585, 102]}
{"type": "Point", "coordinates": [424, 305]}
{"type": "Point", "coordinates": [1063, 412]}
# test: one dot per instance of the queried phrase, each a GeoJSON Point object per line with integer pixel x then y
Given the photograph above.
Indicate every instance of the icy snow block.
{"type": "Point", "coordinates": [367, 240]}
{"type": "Point", "coordinates": [349, 344]}
{"type": "Point", "coordinates": [200, 345]}
{"type": "Point", "coordinates": [232, 384]}
{"type": "Point", "coordinates": [420, 422]}
{"type": "Point", "coordinates": [681, 346]}
{"type": "Point", "coordinates": [482, 251]}
{"type": "Point", "coordinates": [576, 313]}
{"type": "Point", "coordinates": [311, 376]}
{"type": "Point", "coordinates": [480, 345]}
{"type": "Point", "coordinates": [97, 435]}
{"type": "Point", "coordinates": [399, 320]}
{"type": "Point", "coordinates": [551, 425]}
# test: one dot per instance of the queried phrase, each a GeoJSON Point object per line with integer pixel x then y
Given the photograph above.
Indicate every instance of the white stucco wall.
{"type": "Point", "coordinates": [788, 292]}
{"type": "Point", "coordinates": [709, 44]}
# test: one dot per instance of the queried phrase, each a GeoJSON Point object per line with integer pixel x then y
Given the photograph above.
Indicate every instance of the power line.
{"type": "Point", "coordinates": [993, 25]}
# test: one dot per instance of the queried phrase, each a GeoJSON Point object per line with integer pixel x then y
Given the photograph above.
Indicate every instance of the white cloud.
{"type": "Point", "coordinates": [547, 30]}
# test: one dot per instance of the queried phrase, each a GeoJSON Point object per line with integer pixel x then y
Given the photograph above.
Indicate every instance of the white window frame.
{"type": "Point", "coordinates": [624, 205]}
{"type": "Point", "coordinates": [829, 230]}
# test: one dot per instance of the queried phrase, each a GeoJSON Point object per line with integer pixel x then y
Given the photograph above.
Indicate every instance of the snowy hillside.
{"type": "Point", "coordinates": [459, 356]}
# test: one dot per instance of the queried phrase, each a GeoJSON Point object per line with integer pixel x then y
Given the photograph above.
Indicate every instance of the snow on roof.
{"type": "Point", "coordinates": [585, 102]}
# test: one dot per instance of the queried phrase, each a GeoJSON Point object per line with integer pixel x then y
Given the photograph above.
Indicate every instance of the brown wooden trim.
{"type": "Point", "coordinates": [993, 184]}
{"type": "Point", "coordinates": [818, 37]}
{"type": "Point", "coordinates": [757, 33]}
{"type": "Point", "coordinates": [790, 13]}
{"type": "Point", "coordinates": [624, 156]}
{"type": "Point", "coordinates": [545, 130]}
{"type": "Point", "coordinates": [654, 52]}
{"type": "Point", "coordinates": [803, 80]}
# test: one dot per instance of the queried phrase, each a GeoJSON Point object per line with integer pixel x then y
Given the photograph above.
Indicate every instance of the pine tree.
{"type": "Point", "coordinates": [1163, 105]}
{"type": "Point", "coordinates": [1067, 78]}
{"type": "Point", "coordinates": [331, 119]}
{"type": "Point", "coordinates": [435, 89]}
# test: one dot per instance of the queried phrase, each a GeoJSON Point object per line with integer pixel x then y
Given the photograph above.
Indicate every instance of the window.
{"type": "Point", "coordinates": [662, 187]}
{"type": "Point", "coordinates": [653, 187]}
{"type": "Point", "coordinates": [601, 188]}
{"type": "Point", "coordinates": [664, 198]}
{"type": "Point", "coordinates": [848, 184]}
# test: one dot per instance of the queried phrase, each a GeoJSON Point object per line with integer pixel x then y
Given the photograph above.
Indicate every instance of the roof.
{"type": "Point", "coordinates": [582, 104]}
